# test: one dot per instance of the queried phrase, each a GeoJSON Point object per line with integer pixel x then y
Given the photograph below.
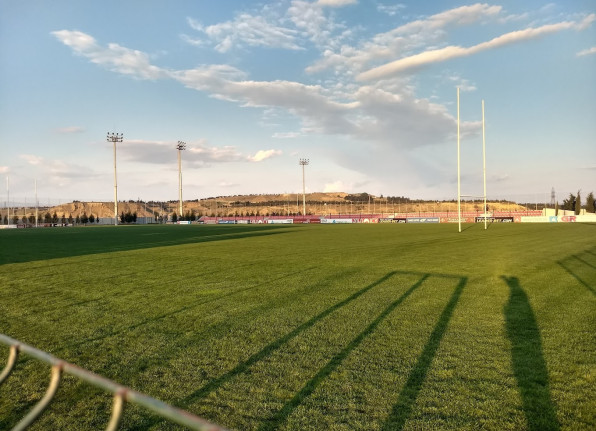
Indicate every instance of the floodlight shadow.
{"type": "Point", "coordinates": [281, 416]}
{"type": "Point", "coordinates": [402, 409]}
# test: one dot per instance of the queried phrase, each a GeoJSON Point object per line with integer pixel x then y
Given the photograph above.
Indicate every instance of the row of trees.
{"type": "Point", "coordinates": [52, 219]}
{"type": "Point", "coordinates": [574, 203]}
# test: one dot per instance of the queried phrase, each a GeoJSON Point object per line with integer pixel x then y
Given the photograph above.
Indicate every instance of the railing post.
{"type": "Point", "coordinates": [12, 360]}
{"type": "Point", "coordinates": [43, 403]}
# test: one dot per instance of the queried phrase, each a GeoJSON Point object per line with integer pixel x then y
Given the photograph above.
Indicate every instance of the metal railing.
{"type": "Point", "coordinates": [122, 394]}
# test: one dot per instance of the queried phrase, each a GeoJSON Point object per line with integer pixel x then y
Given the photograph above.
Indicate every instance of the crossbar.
{"type": "Point", "coordinates": [122, 394]}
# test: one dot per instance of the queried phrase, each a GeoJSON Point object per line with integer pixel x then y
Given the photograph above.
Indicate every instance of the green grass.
{"type": "Point", "coordinates": [343, 327]}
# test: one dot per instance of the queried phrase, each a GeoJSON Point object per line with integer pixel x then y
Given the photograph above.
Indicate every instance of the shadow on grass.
{"type": "Point", "coordinates": [527, 359]}
{"type": "Point", "coordinates": [183, 309]}
{"type": "Point", "coordinates": [269, 349]}
{"type": "Point", "coordinates": [581, 269]}
{"type": "Point", "coordinates": [335, 362]}
{"type": "Point", "coordinates": [403, 407]}
{"type": "Point", "coordinates": [28, 245]}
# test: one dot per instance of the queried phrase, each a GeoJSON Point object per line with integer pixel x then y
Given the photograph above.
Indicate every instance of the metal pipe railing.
{"type": "Point", "coordinates": [122, 394]}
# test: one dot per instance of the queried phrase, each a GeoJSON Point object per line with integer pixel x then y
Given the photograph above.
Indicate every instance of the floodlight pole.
{"type": "Point", "coordinates": [7, 200]}
{"type": "Point", "coordinates": [458, 168]}
{"type": "Point", "coordinates": [303, 163]}
{"type": "Point", "coordinates": [115, 137]}
{"type": "Point", "coordinates": [484, 165]}
{"type": "Point", "coordinates": [181, 146]}
{"type": "Point", "coordinates": [36, 204]}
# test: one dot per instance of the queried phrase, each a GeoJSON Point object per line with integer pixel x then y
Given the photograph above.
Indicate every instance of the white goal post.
{"type": "Point", "coordinates": [459, 195]}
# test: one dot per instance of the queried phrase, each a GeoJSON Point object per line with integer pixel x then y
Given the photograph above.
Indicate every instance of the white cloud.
{"type": "Point", "coordinates": [31, 159]}
{"type": "Point", "coordinates": [336, 186]}
{"type": "Point", "coordinates": [336, 3]}
{"type": "Point", "coordinates": [263, 155]}
{"type": "Point", "coordinates": [246, 30]}
{"type": "Point", "coordinates": [286, 135]}
{"type": "Point", "coordinates": [70, 130]}
{"type": "Point", "coordinates": [587, 51]}
{"type": "Point", "coordinates": [390, 10]}
{"type": "Point", "coordinates": [449, 52]}
{"type": "Point", "coordinates": [114, 57]}
{"type": "Point", "coordinates": [198, 153]}
{"type": "Point", "coordinates": [400, 40]}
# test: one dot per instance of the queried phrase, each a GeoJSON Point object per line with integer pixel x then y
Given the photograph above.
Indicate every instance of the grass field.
{"type": "Point", "coordinates": [340, 327]}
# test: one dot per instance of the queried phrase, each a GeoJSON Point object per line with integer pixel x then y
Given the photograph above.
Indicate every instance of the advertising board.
{"type": "Point", "coordinates": [532, 219]}
{"type": "Point", "coordinates": [495, 219]}
{"type": "Point", "coordinates": [280, 221]}
{"type": "Point", "coordinates": [226, 222]}
{"type": "Point", "coordinates": [423, 220]}
{"type": "Point", "coordinates": [336, 220]}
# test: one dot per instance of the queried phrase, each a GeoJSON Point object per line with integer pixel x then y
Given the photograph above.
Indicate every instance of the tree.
{"type": "Point", "coordinates": [78, 220]}
{"type": "Point", "coordinates": [31, 219]}
{"type": "Point", "coordinates": [63, 218]}
{"type": "Point", "coordinates": [569, 203]}
{"type": "Point", "coordinates": [590, 203]}
{"type": "Point", "coordinates": [5, 219]}
{"type": "Point", "coordinates": [24, 219]}
{"type": "Point", "coordinates": [15, 219]}
{"type": "Point", "coordinates": [174, 217]}
{"type": "Point", "coordinates": [47, 218]}
{"type": "Point", "coordinates": [122, 217]}
{"type": "Point", "coordinates": [55, 218]}
{"type": "Point", "coordinates": [70, 219]}
{"type": "Point", "coordinates": [134, 217]}
{"type": "Point", "coordinates": [578, 204]}
{"type": "Point", "coordinates": [91, 218]}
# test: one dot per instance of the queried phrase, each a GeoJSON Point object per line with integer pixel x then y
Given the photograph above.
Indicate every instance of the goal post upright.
{"type": "Point", "coordinates": [484, 166]}
{"type": "Point", "coordinates": [458, 168]}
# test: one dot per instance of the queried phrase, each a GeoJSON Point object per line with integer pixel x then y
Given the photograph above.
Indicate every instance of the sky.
{"type": "Point", "coordinates": [366, 90]}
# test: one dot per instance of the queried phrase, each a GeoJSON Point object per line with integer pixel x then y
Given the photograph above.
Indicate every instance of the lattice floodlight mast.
{"type": "Point", "coordinates": [303, 163]}
{"type": "Point", "coordinates": [459, 195]}
{"type": "Point", "coordinates": [115, 137]}
{"type": "Point", "coordinates": [180, 147]}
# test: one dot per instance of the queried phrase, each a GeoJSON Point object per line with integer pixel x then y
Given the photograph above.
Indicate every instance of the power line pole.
{"type": "Point", "coordinates": [181, 146]}
{"type": "Point", "coordinates": [115, 137]}
{"type": "Point", "coordinates": [303, 163]}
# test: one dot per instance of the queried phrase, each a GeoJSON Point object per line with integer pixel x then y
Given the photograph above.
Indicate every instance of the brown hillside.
{"type": "Point", "coordinates": [281, 204]}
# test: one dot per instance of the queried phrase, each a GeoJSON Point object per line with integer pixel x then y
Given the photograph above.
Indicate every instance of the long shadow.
{"type": "Point", "coordinates": [527, 359]}
{"type": "Point", "coordinates": [242, 367]}
{"type": "Point", "coordinates": [590, 287]}
{"type": "Point", "coordinates": [335, 362]}
{"type": "Point", "coordinates": [28, 245]}
{"type": "Point", "coordinates": [402, 409]}
{"type": "Point", "coordinates": [171, 313]}
{"type": "Point", "coordinates": [268, 349]}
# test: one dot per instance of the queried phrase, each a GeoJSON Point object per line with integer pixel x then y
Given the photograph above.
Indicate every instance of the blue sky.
{"type": "Point", "coordinates": [365, 89]}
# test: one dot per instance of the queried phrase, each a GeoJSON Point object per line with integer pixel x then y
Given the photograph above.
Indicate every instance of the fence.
{"type": "Point", "coordinates": [121, 394]}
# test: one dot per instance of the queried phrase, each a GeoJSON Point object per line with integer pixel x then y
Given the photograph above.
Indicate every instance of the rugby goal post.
{"type": "Point", "coordinates": [459, 195]}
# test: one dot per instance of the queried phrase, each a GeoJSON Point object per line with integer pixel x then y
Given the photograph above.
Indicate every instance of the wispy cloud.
{"type": "Point", "coordinates": [416, 61]}
{"type": "Point", "coordinates": [114, 57]}
{"type": "Point", "coordinates": [70, 130]}
{"type": "Point", "coordinates": [336, 3]}
{"type": "Point", "coordinates": [285, 135]}
{"type": "Point", "coordinates": [588, 51]}
{"type": "Point", "coordinates": [198, 153]}
{"type": "Point", "coordinates": [32, 159]}
{"type": "Point", "coordinates": [245, 30]}
{"type": "Point", "coordinates": [263, 155]}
